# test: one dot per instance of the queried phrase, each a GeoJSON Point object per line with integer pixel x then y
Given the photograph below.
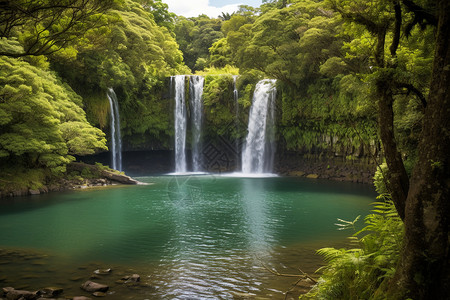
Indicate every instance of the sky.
{"type": "Point", "coordinates": [212, 8]}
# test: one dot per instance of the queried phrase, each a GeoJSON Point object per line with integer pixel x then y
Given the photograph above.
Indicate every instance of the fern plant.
{"type": "Point", "coordinates": [359, 272]}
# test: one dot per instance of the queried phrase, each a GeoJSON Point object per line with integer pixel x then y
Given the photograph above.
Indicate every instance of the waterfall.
{"type": "Point", "coordinates": [116, 140]}
{"type": "Point", "coordinates": [180, 124]}
{"type": "Point", "coordinates": [196, 92]}
{"type": "Point", "coordinates": [236, 103]}
{"type": "Point", "coordinates": [258, 151]}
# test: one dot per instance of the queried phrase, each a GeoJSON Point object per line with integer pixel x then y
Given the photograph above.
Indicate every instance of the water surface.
{"type": "Point", "coordinates": [189, 237]}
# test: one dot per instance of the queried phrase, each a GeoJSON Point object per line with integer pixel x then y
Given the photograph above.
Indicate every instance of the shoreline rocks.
{"type": "Point", "coordinates": [13, 294]}
{"type": "Point", "coordinates": [98, 177]}
{"type": "Point", "coordinates": [94, 288]}
{"type": "Point", "coordinates": [337, 169]}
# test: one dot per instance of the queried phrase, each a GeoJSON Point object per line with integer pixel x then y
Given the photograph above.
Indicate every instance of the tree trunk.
{"type": "Point", "coordinates": [424, 271]}
{"type": "Point", "coordinates": [398, 182]}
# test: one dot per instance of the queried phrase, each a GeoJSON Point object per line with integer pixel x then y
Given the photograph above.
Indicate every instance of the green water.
{"type": "Point", "coordinates": [192, 237]}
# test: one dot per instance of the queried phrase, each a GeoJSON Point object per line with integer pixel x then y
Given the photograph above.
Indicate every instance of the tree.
{"type": "Point", "coordinates": [288, 44]}
{"type": "Point", "coordinates": [270, 4]}
{"type": "Point", "coordinates": [422, 200]}
{"type": "Point", "coordinates": [44, 27]}
{"type": "Point", "coordinates": [424, 271]}
{"type": "Point", "coordinates": [195, 36]}
{"type": "Point", "coordinates": [134, 58]}
{"type": "Point", "coordinates": [160, 12]}
{"type": "Point", "coordinates": [42, 122]}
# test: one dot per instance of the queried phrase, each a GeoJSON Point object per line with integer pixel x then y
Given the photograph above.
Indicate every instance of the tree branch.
{"type": "Point", "coordinates": [41, 18]}
{"type": "Point", "coordinates": [358, 18]}
{"type": "Point", "coordinates": [421, 16]}
{"type": "Point", "coordinates": [416, 91]}
{"type": "Point", "coordinates": [397, 29]}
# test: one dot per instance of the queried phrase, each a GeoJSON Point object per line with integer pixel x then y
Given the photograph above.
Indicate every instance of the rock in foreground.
{"type": "Point", "coordinates": [90, 286]}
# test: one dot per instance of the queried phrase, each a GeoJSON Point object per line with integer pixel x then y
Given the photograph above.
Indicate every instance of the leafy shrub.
{"type": "Point", "coordinates": [379, 180]}
{"type": "Point", "coordinates": [362, 272]}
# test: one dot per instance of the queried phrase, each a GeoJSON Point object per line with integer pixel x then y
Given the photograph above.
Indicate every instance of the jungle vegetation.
{"type": "Point", "coordinates": [351, 75]}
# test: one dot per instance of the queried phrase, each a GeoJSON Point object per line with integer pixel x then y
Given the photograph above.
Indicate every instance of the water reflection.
{"type": "Point", "coordinates": [218, 240]}
{"type": "Point", "coordinates": [192, 237]}
{"type": "Point", "coordinates": [255, 202]}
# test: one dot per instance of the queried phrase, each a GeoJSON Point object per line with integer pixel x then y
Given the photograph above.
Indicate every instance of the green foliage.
{"type": "Point", "coordinates": [160, 12]}
{"type": "Point", "coordinates": [403, 70]}
{"type": "Point", "coordinates": [284, 42]}
{"type": "Point", "coordinates": [195, 37]}
{"type": "Point", "coordinates": [13, 178]}
{"type": "Point", "coordinates": [380, 179]}
{"type": "Point", "coordinates": [134, 56]}
{"type": "Point", "coordinates": [42, 122]}
{"type": "Point", "coordinates": [219, 53]}
{"type": "Point", "coordinates": [46, 26]}
{"type": "Point", "coordinates": [226, 70]}
{"type": "Point", "coordinates": [343, 224]}
{"type": "Point", "coordinates": [363, 272]}
{"type": "Point", "coordinates": [223, 115]}
{"type": "Point", "coordinates": [331, 116]}
{"type": "Point", "coordinates": [323, 106]}
{"type": "Point", "coordinates": [218, 103]}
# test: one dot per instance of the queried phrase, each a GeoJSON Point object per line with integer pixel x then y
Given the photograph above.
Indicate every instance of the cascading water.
{"type": "Point", "coordinates": [180, 124]}
{"type": "Point", "coordinates": [116, 139]}
{"type": "Point", "coordinates": [196, 92]}
{"type": "Point", "coordinates": [236, 103]}
{"type": "Point", "coordinates": [258, 151]}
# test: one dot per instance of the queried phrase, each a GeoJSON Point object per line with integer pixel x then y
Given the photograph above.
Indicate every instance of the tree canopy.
{"type": "Point", "coordinates": [44, 27]}
{"type": "Point", "coordinates": [42, 122]}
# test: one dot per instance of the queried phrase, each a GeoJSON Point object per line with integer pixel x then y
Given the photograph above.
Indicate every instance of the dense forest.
{"type": "Point", "coordinates": [356, 77]}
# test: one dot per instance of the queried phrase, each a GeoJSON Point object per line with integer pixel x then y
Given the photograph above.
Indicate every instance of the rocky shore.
{"type": "Point", "coordinates": [78, 176]}
{"type": "Point", "coordinates": [27, 274]}
{"type": "Point", "coordinates": [337, 169]}
{"type": "Point", "coordinates": [88, 287]}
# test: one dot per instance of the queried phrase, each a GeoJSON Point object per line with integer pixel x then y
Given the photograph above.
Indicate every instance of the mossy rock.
{"type": "Point", "coordinates": [312, 176]}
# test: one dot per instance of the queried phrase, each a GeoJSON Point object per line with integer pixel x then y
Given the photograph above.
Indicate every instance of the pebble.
{"type": "Point", "coordinates": [103, 272]}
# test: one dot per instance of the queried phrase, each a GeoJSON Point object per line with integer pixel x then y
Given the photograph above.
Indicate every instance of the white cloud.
{"type": "Point", "coordinates": [194, 8]}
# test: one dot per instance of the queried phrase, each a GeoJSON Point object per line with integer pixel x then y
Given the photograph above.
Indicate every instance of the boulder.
{"type": "Point", "coordinates": [90, 286]}
{"type": "Point", "coordinates": [20, 192]}
{"type": "Point", "coordinates": [297, 173]}
{"type": "Point", "coordinates": [132, 278]}
{"type": "Point", "coordinates": [312, 176]}
{"type": "Point", "coordinates": [119, 178]}
{"type": "Point", "coordinates": [7, 289]}
{"type": "Point", "coordinates": [50, 292]}
{"type": "Point", "coordinates": [99, 294]}
{"type": "Point", "coordinates": [81, 298]}
{"type": "Point", "coordinates": [107, 175]}
{"type": "Point", "coordinates": [13, 294]}
{"type": "Point", "coordinates": [34, 192]}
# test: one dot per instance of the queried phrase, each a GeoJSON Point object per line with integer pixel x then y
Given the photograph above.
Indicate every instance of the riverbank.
{"type": "Point", "coordinates": [77, 176]}
{"type": "Point", "coordinates": [340, 168]}
{"type": "Point", "coordinates": [39, 275]}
